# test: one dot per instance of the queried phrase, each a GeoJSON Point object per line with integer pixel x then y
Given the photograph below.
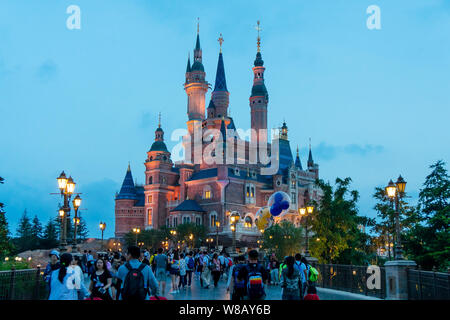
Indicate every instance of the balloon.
{"type": "Point", "coordinates": [263, 219]}
{"type": "Point", "coordinates": [279, 203]}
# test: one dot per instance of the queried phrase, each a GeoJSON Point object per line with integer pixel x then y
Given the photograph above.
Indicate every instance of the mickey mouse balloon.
{"type": "Point", "coordinates": [279, 203]}
{"type": "Point", "coordinates": [263, 219]}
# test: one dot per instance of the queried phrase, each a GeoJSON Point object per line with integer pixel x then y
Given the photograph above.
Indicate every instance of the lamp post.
{"type": "Point", "coordinates": [136, 231]}
{"type": "Point", "coordinates": [76, 221]}
{"type": "Point", "coordinates": [66, 187]}
{"type": "Point", "coordinates": [305, 212]}
{"type": "Point", "coordinates": [217, 234]}
{"type": "Point", "coordinates": [234, 219]}
{"type": "Point", "coordinates": [102, 226]}
{"type": "Point", "coordinates": [395, 191]}
{"type": "Point", "coordinates": [191, 237]}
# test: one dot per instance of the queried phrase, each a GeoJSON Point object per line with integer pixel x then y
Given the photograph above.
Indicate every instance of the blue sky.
{"type": "Point", "coordinates": [374, 102]}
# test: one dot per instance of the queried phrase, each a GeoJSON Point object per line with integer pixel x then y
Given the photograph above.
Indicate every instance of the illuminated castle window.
{"type": "Point", "coordinates": [150, 199]}
{"type": "Point", "coordinates": [212, 220]}
{"type": "Point", "coordinates": [149, 217]}
{"type": "Point", "coordinates": [207, 194]}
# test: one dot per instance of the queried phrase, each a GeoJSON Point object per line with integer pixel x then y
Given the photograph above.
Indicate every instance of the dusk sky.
{"type": "Point", "coordinates": [374, 102]}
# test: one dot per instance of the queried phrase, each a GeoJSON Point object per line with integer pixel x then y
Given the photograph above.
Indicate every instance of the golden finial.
{"type": "Point", "coordinates": [220, 42]}
{"type": "Point", "coordinates": [258, 28]}
{"type": "Point", "coordinates": [159, 120]}
{"type": "Point", "coordinates": [198, 25]}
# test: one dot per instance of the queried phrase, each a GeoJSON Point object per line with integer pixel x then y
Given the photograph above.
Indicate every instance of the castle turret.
{"type": "Point", "coordinates": [259, 97]}
{"type": "Point", "coordinates": [298, 163]}
{"type": "Point", "coordinates": [196, 86]}
{"type": "Point", "coordinates": [312, 167]}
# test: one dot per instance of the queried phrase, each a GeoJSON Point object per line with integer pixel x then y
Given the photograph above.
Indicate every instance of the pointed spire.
{"type": "Point", "coordinates": [220, 42]}
{"type": "Point", "coordinates": [128, 190]}
{"type": "Point", "coordinates": [221, 83]}
{"type": "Point", "coordinates": [129, 168]}
{"type": "Point", "coordinates": [188, 68]}
{"type": "Point", "coordinates": [159, 120]}
{"type": "Point", "coordinates": [298, 163]}
{"type": "Point", "coordinates": [258, 41]}
{"type": "Point", "coordinates": [197, 44]}
{"type": "Point", "coordinates": [310, 158]}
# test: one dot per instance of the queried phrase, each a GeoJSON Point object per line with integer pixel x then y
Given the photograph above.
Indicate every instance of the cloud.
{"type": "Point", "coordinates": [47, 70]}
{"type": "Point", "coordinates": [326, 151]}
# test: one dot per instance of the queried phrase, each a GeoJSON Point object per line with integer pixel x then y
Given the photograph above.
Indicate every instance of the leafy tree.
{"type": "Point", "coordinates": [335, 224]}
{"type": "Point", "coordinates": [50, 238]}
{"type": "Point", "coordinates": [428, 241]}
{"type": "Point", "coordinates": [184, 230]}
{"type": "Point", "coordinates": [283, 239]}
{"type": "Point", "coordinates": [82, 230]}
{"type": "Point", "coordinates": [5, 244]}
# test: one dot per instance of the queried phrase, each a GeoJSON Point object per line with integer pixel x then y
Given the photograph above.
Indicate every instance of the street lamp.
{"type": "Point", "coordinates": [136, 231]}
{"type": "Point", "coordinates": [217, 233]}
{"type": "Point", "coordinates": [102, 226]}
{"type": "Point", "coordinates": [305, 212]}
{"type": "Point", "coordinates": [66, 187]}
{"type": "Point", "coordinates": [395, 191]}
{"type": "Point", "coordinates": [191, 237]}
{"type": "Point", "coordinates": [76, 204]}
{"type": "Point", "coordinates": [234, 219]}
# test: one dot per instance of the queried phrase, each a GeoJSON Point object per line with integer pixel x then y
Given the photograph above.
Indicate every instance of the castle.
{"type": "Point", "coordinates": [203, 193]}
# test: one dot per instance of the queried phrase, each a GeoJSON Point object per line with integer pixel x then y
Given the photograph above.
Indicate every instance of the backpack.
{"type": "Point", "coordinates": [238, 284]}
{"type": "Point", "coordinates": [313, 274]}
{"type": "Point", "coordinates": [212, 266]}
{"type": "Point", "coordinates": [191, 263]}
{"type": "Point", "coordinates": [133, 287]}
{"type": "Point", "coordinates": [255, 285]}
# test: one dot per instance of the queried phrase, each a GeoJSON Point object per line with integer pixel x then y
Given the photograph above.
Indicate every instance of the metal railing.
{"type": "Point", "coordinates": [22, 285]}
{"type": "Point", "coordinates": [428, 285]}
{"type": "Point", "coordinates": [349, 278]}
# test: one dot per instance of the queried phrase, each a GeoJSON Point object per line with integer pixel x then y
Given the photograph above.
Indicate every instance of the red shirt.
{"type": "Point", "coordinates": [311, 297]}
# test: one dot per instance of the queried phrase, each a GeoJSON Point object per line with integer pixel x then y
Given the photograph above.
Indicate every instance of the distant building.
{"type": "Point", "coordinates": [202, 193]}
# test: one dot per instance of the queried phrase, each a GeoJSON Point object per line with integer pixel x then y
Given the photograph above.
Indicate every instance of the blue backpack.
{"type": "Point", "coordinates": [191, 263]}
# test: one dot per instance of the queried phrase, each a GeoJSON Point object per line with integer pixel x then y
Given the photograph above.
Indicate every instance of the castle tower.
{"type": "Point", "coordinates": [312, 167]}
{"type": "Point", "coordinates": [158, 177]}
{"type": "Point", "coordinates": [220, 94]}
{"type": "Point", "coordinates": [298, 163]}
{"type": "Point", "coordinates": [259, 97]}
{"type": "Point", "coordinates": [196, 86]}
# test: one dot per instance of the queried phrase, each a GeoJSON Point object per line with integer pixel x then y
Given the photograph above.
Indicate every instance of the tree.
{"type": "Point", "coordinates": [335, 224]}
{"type": "Point", "coordinates": [428, 242]}
{"type": "Point", "coordinates": [184, 231]}
{"type": "Point", "coordinates": [36, 232]}
{"type": "Point", "coordinates": [5, 244]}
{"type": "Point", "coordinates": [283, 238]}
{"type": "Point", "coordinates": [50, 235]}
{"type": "Point", "coordinates": [24, 240]}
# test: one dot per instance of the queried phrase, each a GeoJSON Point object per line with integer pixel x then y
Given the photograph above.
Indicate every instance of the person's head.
{"type": "Point", "coordinates": [253, 256]}
{"type": "Point", "coordinates": [215, 256]}
{"type": "Point", "coordinates": [100, 264]}
{"type": "Point", "coordinates": [205, 252]}
{"type": "Point", "coordinates": [160, 250]}
{"type": "Point", "coordinates": [240, 259]}
{"type": "Point", "coordinates": [76, 261]}
{"type": "Point", "coordinates": [90, 251]}
{"type": "Point", "coordinates": [312, 290]}
{"type": "Point", "coordinates": [298, 257]}
{"type": "Point", "coordinates": [54, 256]}
{"type": "Point", "coordinates": [175, 255]}
{"type": "Point", "coordinates": [66, 259]}
{"type": "Point", "coordinates": [290, 265]}
{"type": "Point", "coordinates": [304, 261]}
{"type": "Point", "coordinates": [181, 255]}
{"type": "Point", "coordinates": [133, 252]}
{"type": "Point", "coordinates": [85, 251]}
{"type": "Point", "coordinates": [190, 253]}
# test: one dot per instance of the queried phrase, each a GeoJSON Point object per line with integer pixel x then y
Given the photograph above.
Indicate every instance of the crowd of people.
{"type": "Point", "coordinates": [141, 275]}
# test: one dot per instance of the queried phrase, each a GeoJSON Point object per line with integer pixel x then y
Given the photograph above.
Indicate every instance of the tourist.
{"type": "Point", "coordinates": [128, 289]}
{"type": "Point", "coordinates": [238, 286]}
{"type": "Point", "coordinates": [160, 262]}
{"type": "Point", "coordinates": [174, 271]}
{"type": "Point", "coordinates": [84, 261]}
{"type": "Point", "coordinates": [216, 269]}
{"type": "Point", "coordinates": [190, 264]}
{"type": "Point", "coordinates": [255, 276]}
{"type": "Point", "coordinates": [311, 294]}
{"type": "Point", "coordinates": [65, 283]}
{"type": "Point", "coordinates": [290, 281]}
{"type": "Point", "coordinates": [101, 281]}
{"type": "Point", "coordinates": [206, 272]}
{"type": "Point", "coordinates": [301, 264]}
{"type": "Point", "coordinates": [75, 265]}
{"type": "Point", "coordinates": [273, 266]}
{"type": "Point", "coordinates": [182, 271]}
{"type": "Point", "coordinates": [115, 286]}
{"type": "Point", "coordinates": [51, 266]}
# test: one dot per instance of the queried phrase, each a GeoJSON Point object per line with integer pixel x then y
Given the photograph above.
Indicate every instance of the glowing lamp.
{"type": "Point", "coordinates": [62, 181]}
{"type": "Point", "coordinates": [77, 201]}
{"type": "Point", "coordinates": [401, 184]}
{"type": "Point", "coordinates": [70, 186]}
{"type": "Point", "coordinates": [391, 189]}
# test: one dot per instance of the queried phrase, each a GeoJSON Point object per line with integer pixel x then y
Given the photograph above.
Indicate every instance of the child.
{"type": "Point", "coordinates": [311, 294]}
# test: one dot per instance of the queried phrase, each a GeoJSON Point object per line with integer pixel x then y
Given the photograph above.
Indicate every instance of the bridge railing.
{"type": "Point", "coordinates": [22, 285]}
{"type": "Point", "coordinates": [350, 278]}
{"type": "Point", "coordinates": [428, 285]}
